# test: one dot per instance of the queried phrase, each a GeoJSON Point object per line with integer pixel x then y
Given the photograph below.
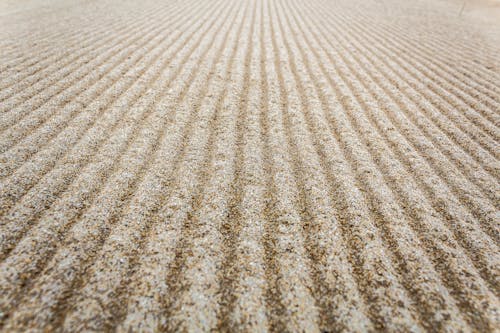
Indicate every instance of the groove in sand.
{"type": "Point", "coordinates": [262, 165]}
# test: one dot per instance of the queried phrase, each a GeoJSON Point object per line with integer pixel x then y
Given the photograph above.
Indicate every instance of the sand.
{"type": "Point", "coordinates": [284, 166]}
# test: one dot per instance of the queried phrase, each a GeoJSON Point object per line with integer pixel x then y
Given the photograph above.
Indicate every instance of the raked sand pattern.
{"type": "Point", "coordinates": [249, 165]}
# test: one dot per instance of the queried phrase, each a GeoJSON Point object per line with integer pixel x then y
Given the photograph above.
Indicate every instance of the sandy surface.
{"type": "Point", "coordinates": [286, 166]}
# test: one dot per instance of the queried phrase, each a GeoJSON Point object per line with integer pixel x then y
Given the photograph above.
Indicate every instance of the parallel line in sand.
{"type": "Point", "coordinates": [229, 230]}
{"type": "Point", "coordinates": [486, 125]}
{"type": "Point", "coordinates": [90, 43]}
{"type": "Point", "coordinates": [484, 214]}
{"type": "Point", "coordinates": [367, 263]}
{"type": "Point", "coordinates": [473, 323]}
{"type": "Point", "coordinates": [274, 306]}
{"type": "Point", "coordinates": [467, 195]}
{"type": "Point", "coordinates": [480, 163]}
{"type": "Point", "coordinates": [18, 112]}
{"type": "Point", "coordinates": [471, 111]}
{"type": "Point", "coordinates": [41, 50]}
{"type": "Point", "coordinates": [71, 275]}
{"type": "Point", "coordinates": [61, 101]}
{"type": "Point", "coordinates": [23, 151]}
{"type": "Point", "coordinates": [487, 77]}
{"type": "Point", "coordinates": [333, 58]}
{"type": "Point", "coordinates": [17, 132]}
{"type": "Point", "coordinates": [430, 52]}
{"type": "Point", "coordinates": [16, 181]}
{"type": "Point", "coordinates": [41, 46]}
{"type": "Point", "coordinates": [470, 86]}
{"type": "Point", "coordinates": [396, 39]}
{"type": "Point", "coordinates": [41, 42]}
{"type": "Point", "coordinates": [107, 272]}
{"type": "Point", "coordinates": [14, 32]}
{"type": "Point", "coordinates": [377, 215]}
{"type": "Point", "coordinates": [382, 201]}
{"type": "Point", "coordinates": [438, 49]}
{"type": "Point", "coordinates": [317, 207]}
{"type": "Point", "coordinates": [153, 209]}
{"type": "Point", "coordinates": [157, 263]}
{"type": "Point", "coordinates": [183, 203]}
{"type": "Point", "coordinates": [473, 48]}
{"type": "Point", "coordinates": [346, 314]}
{"type": "Point", "coordinates": [458, 161]}
{"type": "Point", "coordinates": [443, 96]}
{"type": "Point", "coordinates": [481, 209]}
{"type": "Point", "coordinates": [58, 163]}
{"type": "Point", "coordinates": [199, 243]}
{"type": "Point", "coordinates": [334, 281]}
{"type": "Point", "coordinates": [248, 166]}
{"type": "Point", "coordinates": [65, 68]}
{"type": "Point", "coordinates": [49, 9]}
{"type": "Point", "coordinates": [243, 283]}
{"type": "Point", "coordinates": [116, 123]}
{"type": "Point", "coordinates": [70, 57]}
{"type": "Point", "coordinates": [176, 74]}
{"type": "Point", "coordinates": [483, 105]}
{"type": "Point", "coordinates": [202, 95]}
{"type": "Point", "coordinates": [165, 63]}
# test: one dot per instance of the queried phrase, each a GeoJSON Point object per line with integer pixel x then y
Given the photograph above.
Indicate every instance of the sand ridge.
{"type": "Point", "coordinates": [263, 165]}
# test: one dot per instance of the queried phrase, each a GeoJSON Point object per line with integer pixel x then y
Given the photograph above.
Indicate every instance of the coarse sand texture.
{"type": "Point", "coordinates": [249, 165]}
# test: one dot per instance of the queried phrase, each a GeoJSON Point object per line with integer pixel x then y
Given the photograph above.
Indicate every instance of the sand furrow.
{"type": "Point", "coordinates": [444, 106]}
{"type": "Point", "coordinates": [175, 211]}
{"type": "Point", "coordinates": [465, 193]}
{"type": "Point", "coordinates": [24, 184]}
{"type": "Point", "coordinates": [288, 270]}
{"type": "Point", "coordinates": [74, 54]}
{"type": "Point", "coordinates": [482, 209]}
{"type": "Point", "coordinates": [131, 236]}
{"type": "Point", "coordinates": [449, 33]}
{"type": "Point", "coordinates": [244, 284]}
{"type": "Point", "coordinates": [260, 165]}
{"type": "Point", "coordinates": [90, 79]}
{"type": "Point", "coordinates": [117, 180]}
{"type": "Point", "coordinates": [202, 250]}
{"type": "Point", "coordinates": [14, 38]}
{"type": "Point", "coordinates": [361, 234]}
{"type": "Point", "coordinates": [395, 178]}
{"type": "Point", "coordinates": [418, 284]}
{"type": "Point", "coordinates": [96, 49]}
{"type": "Point", "coordinates": [92, 108]}
{"type": "Point", "coordinates": [475, 65]}
{"type": "Point", "coordinates": [102, 167]}
{"type": "Point", "coordinates": [421, 55]}
{"type": "Point", "coordinates": [42, 44]}
{"type": "Point", "coordinates": [427, 125]}
{"type": "Point", "coordinates": [478, 109]}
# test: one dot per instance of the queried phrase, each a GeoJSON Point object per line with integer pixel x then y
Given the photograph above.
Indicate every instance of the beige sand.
{"type": "Point", "coordinates": [233, 165]}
